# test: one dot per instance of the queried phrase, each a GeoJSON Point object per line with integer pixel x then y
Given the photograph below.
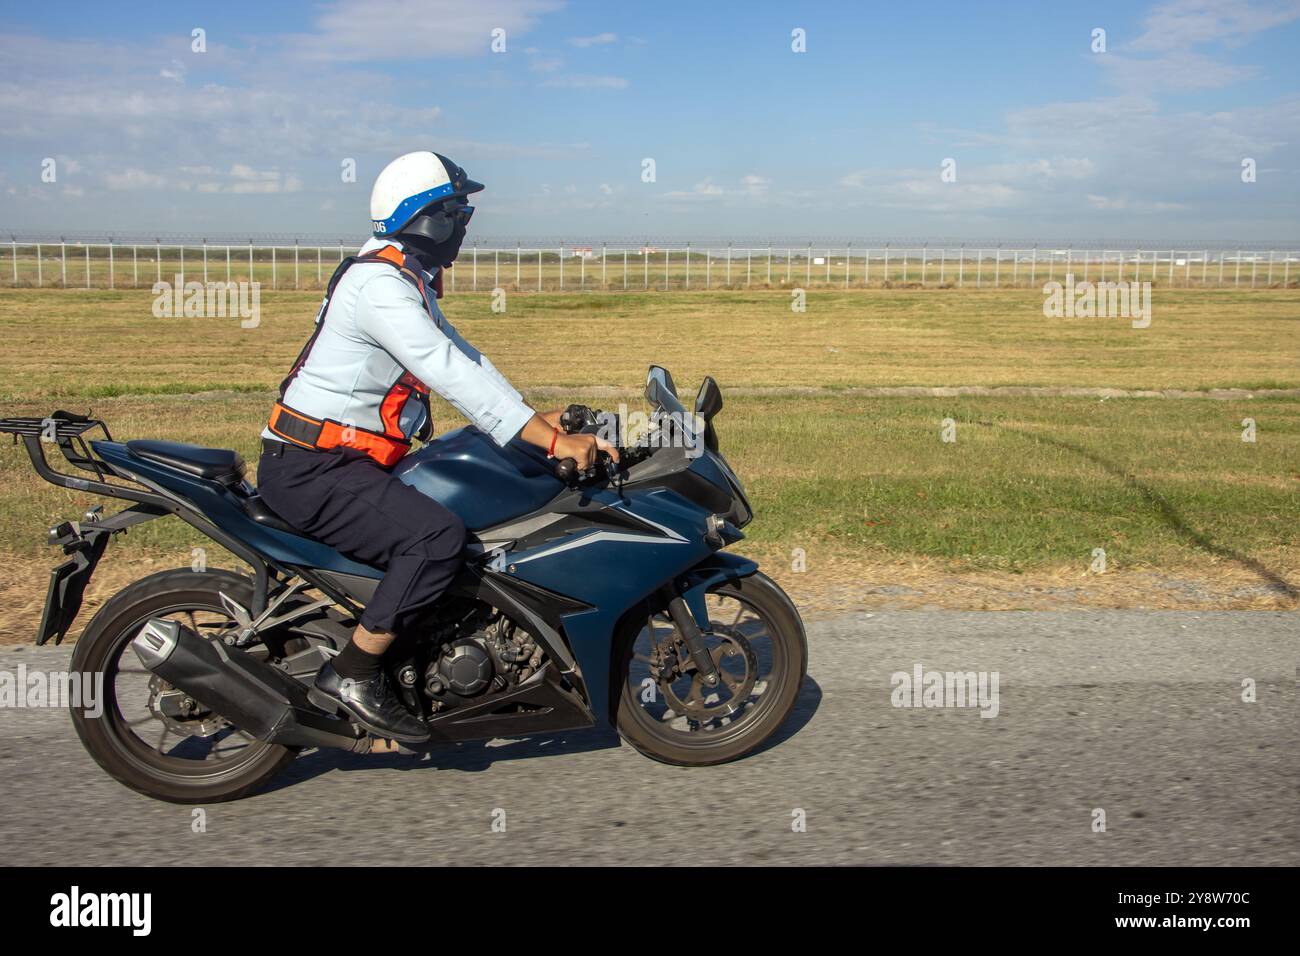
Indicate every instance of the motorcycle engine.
{"type": "Point", "coordinates": [478, 653]}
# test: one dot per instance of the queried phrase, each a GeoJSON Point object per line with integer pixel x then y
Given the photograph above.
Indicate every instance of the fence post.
{"type": "Point", "coordinates": [625, 268]}
{"type": "Point", "coordinates": [274, 282]}
{"type": "Point", "coordinates": [519, 265]}
{"type": "Point", "coordinates": [15, 243]}
{"type": "Point", "coordinates": [1220, 282]}
{"type": "Point", "coordinates": [1237, 282]}
{"type": "Point", "coordinates": [496, 268]}
{"type": "Point", "coordinates": [1254, 266]}
{"type": "Point", "coordinates": [769, 263]}
{"type": "Point", "coordinates": [886, 278]}
{"type": "Point", "coordinates": [251, 277]}
{"type": "Point", "coordinates": [111, 281]}
{"type": "Point", "coordinates": [708, 268]}
{"type": "Point", "coordinates": [1015, 268]}
{"type": "Point", "coordinates": [87, 265]}
{"type": "Point", "coordinates": [728, 265]}
{"type": "Point", "coordinates": [1270, 267]}
{"type": "Point", "coordinates": [848, 263]}
{"type": "Point", "coordinates": [539, 268]}
{"type": "Point", "coordinates": [905, 266]}
{"type": "Point", "coordinates": [789, 263]}
{"type": "Point", "coordinates": [63, 255]}
{"type": "Point", "coordinates": [295, 262]}
{"type": "Point", "coordinates": [135, 267]}
{"type": "Point", "coordinates": [667, 254]}
{"type": "Point", "coordinates": [807, 271]}
{"type": "Point", "coordinates": [475, 271]}
{"type": "Point", "coordinates": [645, 264]}
{"type": "Point", "coordinates": [182, 263]}
{"type": "Point", "coordinates": [318, 267]}
{"type": "Point", "coordinates": [866, 267]}
{"type": "Point", "coordinates": [38, 265]}
{"type": "Point", "coordinates": [227, 263]}
{"type": "Point", "coordinates": [1205, 265]}
{"type": "Point", "coordinates": [688, 265]}
{"type": "Point", "coordinates": [749, 263]}
{"type": "Point", "coordinates": [205, 262]}
{"type": "Point", "coordinates": [925, 256]}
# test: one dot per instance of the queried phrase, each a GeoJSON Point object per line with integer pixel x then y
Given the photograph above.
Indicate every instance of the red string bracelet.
{"type": "Point", "coordinates": [550, 452]}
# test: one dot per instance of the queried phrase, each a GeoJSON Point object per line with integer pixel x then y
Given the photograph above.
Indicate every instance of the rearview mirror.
{"type": "Point", "coordinates": [659, 387]}
{"type": "Point", "coordinates": [709, 400]}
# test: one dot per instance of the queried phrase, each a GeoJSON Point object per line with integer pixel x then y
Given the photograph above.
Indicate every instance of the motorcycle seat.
{"type": "Point", "coordinates": [221, 465]}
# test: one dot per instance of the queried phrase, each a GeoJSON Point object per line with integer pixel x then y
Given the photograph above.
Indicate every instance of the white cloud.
{"type": "Point", "coordinates": [600, 39]}
{"type": "Point", "coordinates": [1166, 58]}
{"type": "Point", "coordinates": [581, 81]}
{"type": "Point", "coordinates": [388, 30]}
{"type": "Point", "coordinates": [707, 189]}
{"type": "Point", "coordinates": [1185, 23]}
{"type": "Point", "coordinates": [130, 179]}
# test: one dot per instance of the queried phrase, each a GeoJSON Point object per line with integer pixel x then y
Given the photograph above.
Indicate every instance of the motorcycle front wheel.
{"type": "Point", "coordinates": [756, 639]}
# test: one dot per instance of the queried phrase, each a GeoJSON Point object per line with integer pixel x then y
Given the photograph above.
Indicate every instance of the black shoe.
{"type": "Point", "coordinates": [370, 703]}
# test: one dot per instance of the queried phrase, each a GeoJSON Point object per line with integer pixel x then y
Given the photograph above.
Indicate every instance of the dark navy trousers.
{"type": "Point", "coordinates": [347, 500]}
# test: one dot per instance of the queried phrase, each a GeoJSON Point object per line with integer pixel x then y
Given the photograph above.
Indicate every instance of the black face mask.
{"type": "Point", "coordinates": [434, 255]}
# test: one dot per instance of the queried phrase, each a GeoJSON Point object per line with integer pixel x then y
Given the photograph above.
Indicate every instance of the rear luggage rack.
{"type": "Point", "coordinates": [67, 430]}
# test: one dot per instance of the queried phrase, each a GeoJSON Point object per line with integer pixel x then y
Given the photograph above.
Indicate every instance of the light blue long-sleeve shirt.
{"type": "Point", "coordinates": [375, 328]}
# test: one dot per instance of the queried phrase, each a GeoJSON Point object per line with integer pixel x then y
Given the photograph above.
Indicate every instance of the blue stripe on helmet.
{"type": "Point", "coordinates": [408, 207]}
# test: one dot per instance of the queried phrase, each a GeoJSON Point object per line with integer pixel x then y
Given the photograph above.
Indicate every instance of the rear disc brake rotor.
{"type": "Point", "coordinates": [180, 713]}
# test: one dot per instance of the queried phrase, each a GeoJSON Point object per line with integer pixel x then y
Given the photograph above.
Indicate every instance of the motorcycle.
{"type": "Point", "coordinates": [584, 598]}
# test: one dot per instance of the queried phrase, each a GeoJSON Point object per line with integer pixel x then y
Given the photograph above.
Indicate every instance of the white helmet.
{"type": "Point", "coordinates": [410, 183]}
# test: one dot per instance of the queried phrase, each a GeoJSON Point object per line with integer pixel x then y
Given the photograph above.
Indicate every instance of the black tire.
{"type": "Point", "coordinates": [790, 656]}
{"type": "Point", "coordinates": [109, 739]}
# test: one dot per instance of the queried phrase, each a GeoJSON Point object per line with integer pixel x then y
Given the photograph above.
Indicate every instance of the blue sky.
{"type": "Point", "coordinates": [750, 139]}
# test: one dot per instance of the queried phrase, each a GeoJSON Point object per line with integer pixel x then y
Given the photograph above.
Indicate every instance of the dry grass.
{"type": "Point", "coordinates": [1007, 516]}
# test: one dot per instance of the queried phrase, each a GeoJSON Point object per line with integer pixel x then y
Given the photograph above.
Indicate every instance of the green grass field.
{"type": "Point", "coordinates": [863, 483]}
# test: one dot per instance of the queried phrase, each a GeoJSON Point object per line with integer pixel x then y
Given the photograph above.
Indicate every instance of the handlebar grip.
{"type": "Point", "coordinates": [566, 469]}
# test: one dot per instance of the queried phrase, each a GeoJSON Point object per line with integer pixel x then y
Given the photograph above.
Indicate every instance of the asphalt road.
{"type": "Point", "coordinates": [1137, 713]}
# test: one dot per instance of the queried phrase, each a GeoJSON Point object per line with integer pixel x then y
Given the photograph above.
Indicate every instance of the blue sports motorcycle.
{"type": "Point", "coordinates": [584, 598]}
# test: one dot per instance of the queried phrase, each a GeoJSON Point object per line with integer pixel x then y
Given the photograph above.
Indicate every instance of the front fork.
{"type": "Point", "coordinates": [694, 640]}
{"type": "Point", "coordinates": [687, 607]}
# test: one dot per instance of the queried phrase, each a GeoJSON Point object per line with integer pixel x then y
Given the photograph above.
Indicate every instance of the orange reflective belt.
{"type": "Point", "coordinates": [323, 435]}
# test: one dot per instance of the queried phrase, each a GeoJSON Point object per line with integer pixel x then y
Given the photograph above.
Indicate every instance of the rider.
{"type": "Point", "coordinates": [356, 396]}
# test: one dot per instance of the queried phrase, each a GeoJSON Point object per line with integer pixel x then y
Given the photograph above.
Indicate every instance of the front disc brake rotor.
{"type": "Point", "coordinates": [733, 650]}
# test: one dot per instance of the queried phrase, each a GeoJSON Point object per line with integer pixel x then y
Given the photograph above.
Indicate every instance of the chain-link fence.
{"type": "Point", "coordinates": [600, 268]}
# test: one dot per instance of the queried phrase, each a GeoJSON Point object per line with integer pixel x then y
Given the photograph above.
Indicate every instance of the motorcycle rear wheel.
{"type": "Point", "coordinates": [665, 711]}
{"type": "Point", "coordinates": [194, 769]}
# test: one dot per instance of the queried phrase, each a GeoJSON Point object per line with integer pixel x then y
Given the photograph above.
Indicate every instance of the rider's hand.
{"type": "Point", "coordinates": [582, 448]}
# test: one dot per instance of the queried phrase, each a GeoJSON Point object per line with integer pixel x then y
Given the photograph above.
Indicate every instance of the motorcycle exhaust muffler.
{"type": "Point", "coordinates": [256, 697]}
